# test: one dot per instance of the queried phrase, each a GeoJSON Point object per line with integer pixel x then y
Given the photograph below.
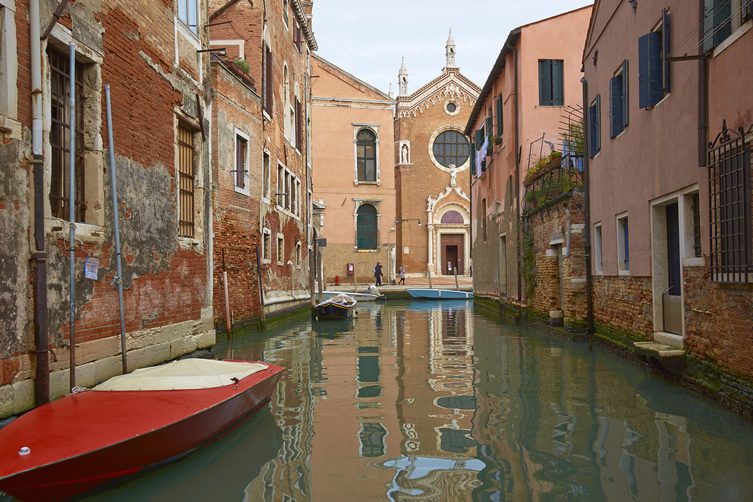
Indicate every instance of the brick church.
{"type": "Point", "coordinates": [432, 173]}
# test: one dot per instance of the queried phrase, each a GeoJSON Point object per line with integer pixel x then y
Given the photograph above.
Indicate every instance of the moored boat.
{"type": "Point", "coordinates": [439, 294]}
{"type": "Point", "coordinates": [360, 297]}
{"type": "Point", "coordinates": [128, 424]}
{"type": "Point", "coordinates": [340, 306]}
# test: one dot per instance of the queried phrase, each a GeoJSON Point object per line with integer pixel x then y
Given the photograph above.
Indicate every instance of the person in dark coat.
{"type": "Point", "coordinates": [378, 274]}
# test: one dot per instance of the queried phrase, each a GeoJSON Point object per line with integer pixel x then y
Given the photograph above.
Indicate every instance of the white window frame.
{"type": "Point", "coordinates": [286, 14]}
{"type": "Point", "coordinates": [286, 101]}
{"type": "Point", "coordinates": [185, 22]}
{"type": "Point", "coordinates": [246, 190]}
{"type": "Point", "coordinates": [280, 251]}
{"type": "Point", "coordinates": [620, 220]}
{"type": "Point", "coordinates": [266, 249]}
{"type": "Point", "coordinates": [298, 253]}
{"type": "Point", "coordinates": [8, 64]}
{"type": "Point", "coordinates": [598, 250]}
{"type": "Point", "coordinates": [287, 181]}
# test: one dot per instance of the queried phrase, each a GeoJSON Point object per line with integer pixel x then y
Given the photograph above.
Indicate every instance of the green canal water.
{"type": "Point", "coordinates": [435, 401]}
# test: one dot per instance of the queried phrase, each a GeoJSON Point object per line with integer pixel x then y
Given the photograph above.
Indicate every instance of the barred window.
{"type": "Point", "coordinates": [60, 136]}
{"type": "Point", "coordinates": [186, 175]}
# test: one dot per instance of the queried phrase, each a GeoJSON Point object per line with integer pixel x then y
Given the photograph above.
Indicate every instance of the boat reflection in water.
{"type": "Point", "coordinates": [417, 401]}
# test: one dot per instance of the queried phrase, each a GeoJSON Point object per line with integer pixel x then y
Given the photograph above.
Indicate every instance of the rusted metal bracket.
{"type": "Point", "coordinates": [55, 16]}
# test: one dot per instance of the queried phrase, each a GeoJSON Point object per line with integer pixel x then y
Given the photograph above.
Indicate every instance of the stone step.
{"type": "Point", "coordinates": [658, 350]}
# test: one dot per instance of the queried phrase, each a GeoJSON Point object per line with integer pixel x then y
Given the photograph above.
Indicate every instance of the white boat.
{"type": "Point", "coordinates": [360, 297]}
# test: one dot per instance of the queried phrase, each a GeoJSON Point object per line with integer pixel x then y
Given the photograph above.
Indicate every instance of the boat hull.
{"type": "Point", "coordinates": [361, 297]}
{"type": "Point", "coordinates": [439, 294]}
{"type": "Point", "coordinates": [332, 312]}
{"type": "Point", "coordinates": [78, 474]}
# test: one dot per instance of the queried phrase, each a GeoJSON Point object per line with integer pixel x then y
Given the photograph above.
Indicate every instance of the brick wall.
{"type": "Point", "coordinates": [719, 321]}
{"type": "Point", "coordinates": [624, 303]}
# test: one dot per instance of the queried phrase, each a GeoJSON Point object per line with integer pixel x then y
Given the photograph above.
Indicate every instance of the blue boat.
{"type": "Point", "coordinates": [440, 294]}
{"type": "Point", "coordinates": [336, 308]}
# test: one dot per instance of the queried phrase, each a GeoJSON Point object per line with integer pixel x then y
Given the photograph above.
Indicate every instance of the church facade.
{"type": "Point", "coordinates": [432, 172]}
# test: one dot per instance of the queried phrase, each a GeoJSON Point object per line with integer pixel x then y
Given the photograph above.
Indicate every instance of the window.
{"type": "Point", "coordinates": [500, 117]}
{"type": "Point", "coordinates": [451, 149]}
{"type": "Point", "coordinates": [721, 18]}
{"type": "Point", "coordinates": [451, 107]}
{"type": "Point", "coordinates": [185, 181]}
{"type": "Point", "coordinates": [241, 162]}
{"type": "Point", "coordinates": [623, 245]}
{"type": "Point", "coordinates": [266, 175]}
{"type": "Point", "coordinates": [551, 82]}
{"type": "Point", "coordinates": [618, 94]}
{"type": "Point", "coordinates": [298, 36]}
{"type": "Point", "coordinates": [60, 136]}
{"type": "Point", "coordinates": [452, 218]}
{"type": "Point", "coordinates": [280, 249]}
{"type": "Point", "coordinates": [366, 223]}
{"type": "Point", "coordinates": [598, 260]}
{"type": "Point", "coordinates": [266, 246]}
{"type": "Point", "coordinates": [489, 123]}
{"type": "Point", "coordinates": [298, 124]}
{"type": "Point", "coordinates": [594, 126]}
{"type": "Point", "coordinates": [280, 195]}
{"type": "Point", "coordinates": [286, 102]}
{"type": "Point", "coordinates": [8, 61]}
{"type": "Point", "coordinates": [371, 438]}
{"type": "Point", "coordinates": [188, 13]}
{"type": "Point", "coordinates": [288, 188]}
{"type": "Point", "coordinates": [285, 12]}
{"type": "Point", "coordinates": [366, 156]}
{"type": "Point", "coordinates": [267, 86]}
{"type": "Point", "coordinates": [653, 67]}
{"type": "Point", "coordinates": [297, 197]}
{"type": "Point", "coordinates": [478, 144]}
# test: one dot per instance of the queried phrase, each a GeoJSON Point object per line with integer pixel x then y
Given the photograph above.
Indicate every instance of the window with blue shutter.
{"type": "Point", "coordinates": [594, 126]}
{"type": "Point", "coordinates": [551, 82]}
{"type": "Point", "coordinates": [618, 101]}
{"type": "Point", "coordinates": [650, 70]}
{"type": "Point", "coordinates": [489, 126]}
{"type": "Point", "coordinates": [666, 36]}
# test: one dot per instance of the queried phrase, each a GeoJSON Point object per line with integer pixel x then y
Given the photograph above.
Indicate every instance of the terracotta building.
{"type": "Point", "coordinates": [432, 174]}
{"type": "Point", "coordinates": [273, 41]}
{"type": "Point", "coordinates": [149, 53]}
{"type": "Point", "coordinates": [355, 180]}
{"type": "Point", "coordinates": [669, 130]}
{"type": "Point", "coordinates": [523, 122]}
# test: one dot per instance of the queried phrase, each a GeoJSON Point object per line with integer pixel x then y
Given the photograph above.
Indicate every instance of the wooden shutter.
{"type": "Point", "coordinates": [625, 94]}
{"type": "Point", "coordinates": [500, 122]}
{"type": "Point", "coordinates": [298, 125]}
{"type": "Point", "coordinates": [666, 51]}
{"type": "Point", "coordinates": [615, 106]}
{"type": "Point", "coordinates": [594, 126]}
{"type": "Point", "coordinates": [650, 70]}
{"type": "Point", "coordinates": [558, 91]}
{"type": "Point", "coordinates": [270, 84]}
{"type": "Point", "coordinates": [545, 82]}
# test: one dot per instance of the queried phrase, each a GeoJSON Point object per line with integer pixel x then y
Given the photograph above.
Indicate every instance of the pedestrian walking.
{"type": "Point", "coordinates": [378, 274]}
{"type": "Point", "coordinates": [402, 274]}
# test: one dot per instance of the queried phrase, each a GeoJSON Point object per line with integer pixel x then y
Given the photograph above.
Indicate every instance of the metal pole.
{"type": "Point", "coordinates": [118, 264]}
{"type": "Point", "coordinates": [587, 217]}
{"type": "Point", "coordinates": [72, 209]}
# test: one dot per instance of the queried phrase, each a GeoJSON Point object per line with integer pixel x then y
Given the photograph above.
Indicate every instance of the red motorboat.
{"type": "Point", "coordinates": [128, 424]}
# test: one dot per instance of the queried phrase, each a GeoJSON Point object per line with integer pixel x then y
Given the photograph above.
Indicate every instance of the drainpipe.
{"type": "Point", "coordinates": [587, 226]}
{"type": "Point", "coordinates": [517, 176]}
{"type": "Point", "coordinates": [703, 100]}
{"type": "Point", "coordinates": [39, 256]}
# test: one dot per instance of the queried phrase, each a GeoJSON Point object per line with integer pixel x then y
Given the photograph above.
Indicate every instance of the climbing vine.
{"type": "Point", "coordinates": [529, 260]}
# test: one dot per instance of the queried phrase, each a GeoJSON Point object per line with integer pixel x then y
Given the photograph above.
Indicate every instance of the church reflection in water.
{"type": "Point", "coordinates": [436, 402]}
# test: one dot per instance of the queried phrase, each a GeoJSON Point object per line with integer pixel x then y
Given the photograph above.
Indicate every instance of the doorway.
{"type": "Point", "coordinates": [671, 296]}
{"type": "Point", "coordinates": [452, 254]}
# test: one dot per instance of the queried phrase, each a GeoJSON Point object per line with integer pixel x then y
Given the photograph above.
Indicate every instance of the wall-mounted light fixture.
{"type": "Point", "coordinates": [633, 4]}
{"type": "Point", "coordinates": [399, 222]}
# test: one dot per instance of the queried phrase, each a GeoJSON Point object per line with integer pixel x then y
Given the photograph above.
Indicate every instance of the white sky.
{"type": "Point", "coordinates": [368, 38]}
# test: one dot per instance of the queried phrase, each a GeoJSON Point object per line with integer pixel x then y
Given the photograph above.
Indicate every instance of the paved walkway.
{"type": "Point", "coordinates": [465, 283]}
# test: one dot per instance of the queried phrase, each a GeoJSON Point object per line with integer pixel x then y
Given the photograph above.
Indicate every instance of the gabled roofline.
{"type": "Point", "coordinates": [351, 76]}
{"type": "Point", "coordinates": [410, 97]}
{"type": "Point", "coordinates": [499, 64]}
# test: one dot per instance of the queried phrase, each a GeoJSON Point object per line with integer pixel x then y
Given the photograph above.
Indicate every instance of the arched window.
{"type": "Point", "coordinates": [452, 217]}
{"type": "Point", "coordinates": [367, 227]}
{"type": "Point", "coordinates": [366, 155]}
{"type": "Point", "coordinates": [451, 148]}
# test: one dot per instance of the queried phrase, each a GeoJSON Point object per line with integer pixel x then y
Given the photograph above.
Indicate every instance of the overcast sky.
{"type": "Point", "coordinates": [368, 38]}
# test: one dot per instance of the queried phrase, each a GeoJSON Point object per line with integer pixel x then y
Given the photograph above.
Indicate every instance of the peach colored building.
{"type": "Point", "coordinates": [354, 178]}
{"type": "Point", "coordinates": [432, 175]}
{"type": "Point", "coordinates": [534, 82]}
{"type": "Point", "coordinates": [669, 132]}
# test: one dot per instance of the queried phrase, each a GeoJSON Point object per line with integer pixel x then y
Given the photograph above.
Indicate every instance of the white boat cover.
{"type": "Point", "coordinates": [183, 374]}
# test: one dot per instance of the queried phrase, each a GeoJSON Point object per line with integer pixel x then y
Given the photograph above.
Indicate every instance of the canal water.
{"type": "Point", "coordinates": [436, 401]}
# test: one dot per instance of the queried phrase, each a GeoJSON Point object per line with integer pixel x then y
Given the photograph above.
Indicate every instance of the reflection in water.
{"type": "Point", "coordinates": [430, 401]}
